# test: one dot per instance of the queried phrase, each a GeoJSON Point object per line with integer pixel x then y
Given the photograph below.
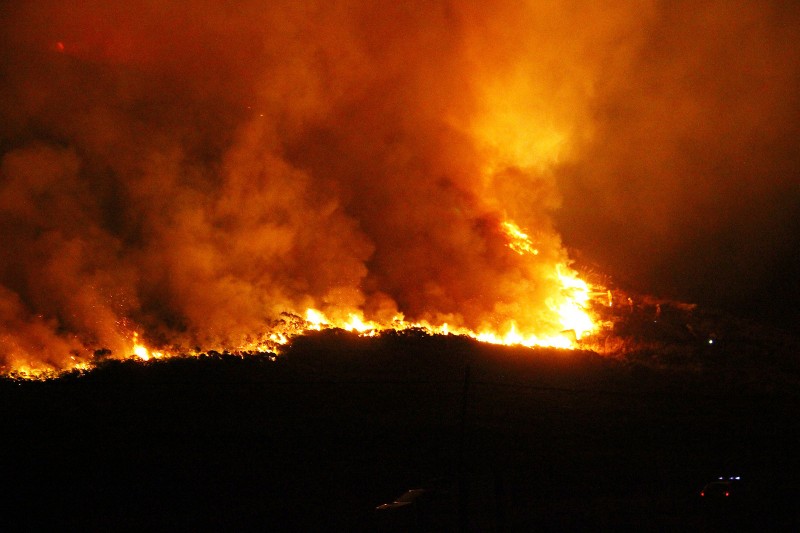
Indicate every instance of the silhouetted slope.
{"type": "Point", "coordinates": [339, 424]}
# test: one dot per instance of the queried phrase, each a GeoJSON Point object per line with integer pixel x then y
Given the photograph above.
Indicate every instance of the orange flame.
{"type": "Point", "coordinates": [518, 240]}
{"type": "Point", "coordinates": [570, 305]}
{"type": "Point", "coordinates": [142, 352]}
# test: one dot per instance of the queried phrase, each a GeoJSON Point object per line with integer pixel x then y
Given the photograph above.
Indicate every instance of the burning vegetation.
{"type": "Point", "coordinates": [178, 179]}
{"type": "Point", "coordinates": [571, 308]}
{"type": "Point", "coordinates": [166, 195]}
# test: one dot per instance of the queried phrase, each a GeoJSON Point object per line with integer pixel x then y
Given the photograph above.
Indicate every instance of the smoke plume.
{"type": "Point", "coordinates": [190, 170]}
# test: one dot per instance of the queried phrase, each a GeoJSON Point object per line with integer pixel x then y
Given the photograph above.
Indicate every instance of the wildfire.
{"type": "Point", "coordinates": [518, 240]}
{"type": "Point", "coordinates": [570, 305]}
{"type": "Point", "coordinates": [142, 352]}
{"type": "Point", "coordinates": [573, 310]}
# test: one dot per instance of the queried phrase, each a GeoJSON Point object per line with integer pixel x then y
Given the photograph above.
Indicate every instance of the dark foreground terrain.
{"type": "Point", "coordinates": [524, 440]}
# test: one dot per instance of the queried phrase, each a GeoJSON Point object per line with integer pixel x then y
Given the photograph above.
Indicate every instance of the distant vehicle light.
{"type": "Point", "coordinates": [724, 488]}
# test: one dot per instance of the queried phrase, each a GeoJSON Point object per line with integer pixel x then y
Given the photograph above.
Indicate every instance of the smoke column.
{"type": "Point", "coordinates": [690, 185]}
{"type": "Point", "coordinates": [191, 170]}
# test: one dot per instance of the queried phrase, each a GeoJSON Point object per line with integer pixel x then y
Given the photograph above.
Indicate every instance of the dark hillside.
{"type": "Point", "coordinates": [542, 440]}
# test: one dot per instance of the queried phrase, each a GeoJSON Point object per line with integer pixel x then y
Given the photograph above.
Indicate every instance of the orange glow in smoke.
{"type": "Point", "coordinates": [284, 172]}
{"type": "Point", "coordinates": [570, 305]}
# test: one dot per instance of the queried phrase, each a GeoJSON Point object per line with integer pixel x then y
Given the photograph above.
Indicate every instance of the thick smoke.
{"type": "Point", "coordinates": [690, 184]}
{"type": "Point", "coordinates": [190, 170]}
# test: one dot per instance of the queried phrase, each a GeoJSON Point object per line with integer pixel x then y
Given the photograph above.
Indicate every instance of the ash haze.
{"type": "Point", "coordinates": [192, 169]}
{"type": "Point", "coordinates": [690, 185]}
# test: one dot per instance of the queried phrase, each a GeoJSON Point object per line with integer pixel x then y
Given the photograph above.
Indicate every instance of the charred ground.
{"type": "Point", "coordinates": [539, 439]}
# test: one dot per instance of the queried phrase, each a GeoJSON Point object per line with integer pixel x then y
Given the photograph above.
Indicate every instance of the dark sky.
{"type": "Point", "coordinates": [189, 170]}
